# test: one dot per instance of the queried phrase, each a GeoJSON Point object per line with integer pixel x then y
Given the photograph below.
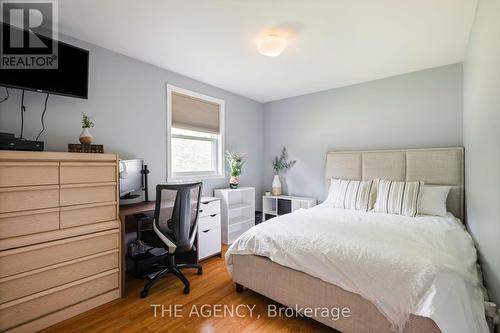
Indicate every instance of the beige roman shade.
{"type": "Point", "coordinates": [191, 113]}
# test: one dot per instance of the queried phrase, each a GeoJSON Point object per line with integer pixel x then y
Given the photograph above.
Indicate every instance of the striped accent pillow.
{"type": "Point", "coordinates": [350, 194]}
{"type": "Point", "coordinates": [399, 198]}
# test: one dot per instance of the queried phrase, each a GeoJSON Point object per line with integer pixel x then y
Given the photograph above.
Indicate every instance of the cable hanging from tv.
{"type": "Point", "coordinates": [43, 115]}
{"type": "Point", "coordinates": [23, 110]}
{"type": "Point", "coordinates": [6, 95]}
{"type": "Point", "coordinates": [8, 141]}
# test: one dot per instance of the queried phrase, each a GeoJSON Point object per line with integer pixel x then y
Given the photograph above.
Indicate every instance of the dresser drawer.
{"type": "Point", "coordinates": [13, 199]}
{"type": "Point", "coordinates": [29, 173]}
{"type": "Point", "coordinates": [88, 193]}
{"type": "Point", "coordinates": [25, 284]}
{"type": "Point", "coordinates": [209, 242]}
{"type": "Point", "coordinates": [23, 310]}
{"type": "Point", "coordinates": [28, 222]}
{"type": "Point", "coordinates": [209, 208]}
{"type": "Point", "coordinates": [41, 255]}
{"type": "Point", "coordinates": [208, 222]}
{"type": "Point", "coordinates": [73, 216]}
{"type": "Point", "coordinates": [77, 173]}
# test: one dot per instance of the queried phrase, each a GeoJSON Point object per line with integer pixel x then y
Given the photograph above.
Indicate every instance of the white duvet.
{"type": "Point", "coordinates": [422, 265]}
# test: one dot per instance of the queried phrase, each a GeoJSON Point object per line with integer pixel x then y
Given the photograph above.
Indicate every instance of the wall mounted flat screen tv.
{"type": "Point", "coordinates": [69, 79]}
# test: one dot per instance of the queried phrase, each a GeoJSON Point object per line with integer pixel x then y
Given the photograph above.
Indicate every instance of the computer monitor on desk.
{"type": "Point", "coordinates": [133, 179]}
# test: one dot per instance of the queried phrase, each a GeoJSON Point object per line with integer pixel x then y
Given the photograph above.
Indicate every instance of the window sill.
{"type": "Point", "coordinates": [193, 178]}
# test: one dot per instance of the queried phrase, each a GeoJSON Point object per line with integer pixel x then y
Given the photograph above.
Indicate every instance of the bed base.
{"type": "Point", "coordinates": [293, 288]}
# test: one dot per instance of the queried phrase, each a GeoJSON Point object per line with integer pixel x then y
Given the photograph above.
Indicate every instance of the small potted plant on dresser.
{"type": "Point", "coordinates": [85, 137]}
{"type": "Point", "coordinates": [280, 164]}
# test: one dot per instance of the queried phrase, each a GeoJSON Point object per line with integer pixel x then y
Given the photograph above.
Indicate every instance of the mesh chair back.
{"type": "Point", "coordinates": [176, 213]}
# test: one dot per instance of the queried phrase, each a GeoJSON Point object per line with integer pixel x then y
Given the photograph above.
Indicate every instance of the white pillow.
{"type": "Point", "coordinates": [350, 194]}
{"type": "Point", "coordinates": [432, 200]}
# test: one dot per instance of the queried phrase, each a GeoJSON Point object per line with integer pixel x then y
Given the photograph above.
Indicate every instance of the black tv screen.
{"type": "Point", "coordinates": [69, 79]}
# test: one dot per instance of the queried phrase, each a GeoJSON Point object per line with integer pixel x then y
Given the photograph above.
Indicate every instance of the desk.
{"type": "Point", "coordinates": [208, 231]}
{"type": "Point", "coordinates": [129, 225]}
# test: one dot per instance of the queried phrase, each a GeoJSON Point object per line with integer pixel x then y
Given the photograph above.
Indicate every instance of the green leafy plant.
{"type": "Point", "coordinates": [235, 162]}
{"type": "Point", "coordinates": [281, 163]}
{"type": "Point", "coordinates": [87, 121]}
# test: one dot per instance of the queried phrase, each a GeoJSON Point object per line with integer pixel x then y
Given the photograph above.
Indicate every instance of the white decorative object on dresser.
{"type": "Point", "coordinates": [238, 211]}
{"type": "Point", "coordinates": [209, 242]}
{"type": "Point", "coordinates": [283, 204]}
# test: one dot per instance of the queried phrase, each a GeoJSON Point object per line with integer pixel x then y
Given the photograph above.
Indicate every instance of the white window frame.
{"type": "Point", "coordinates": [194, 176]}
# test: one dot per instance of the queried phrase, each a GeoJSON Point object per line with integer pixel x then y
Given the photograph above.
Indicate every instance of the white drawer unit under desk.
{"type": "Point", "coordinates": [209, 228]}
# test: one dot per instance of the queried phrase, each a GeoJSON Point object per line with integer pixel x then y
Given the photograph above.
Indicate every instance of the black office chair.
{"type": "Point", "coordinates": [175, 227]}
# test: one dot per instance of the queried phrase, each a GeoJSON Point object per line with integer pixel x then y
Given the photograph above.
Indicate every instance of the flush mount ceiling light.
{"type": "Point", "coordinates": [271, 45]}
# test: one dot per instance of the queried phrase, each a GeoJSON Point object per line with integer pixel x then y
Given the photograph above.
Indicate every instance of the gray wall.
{"type": "Point", "coordinates": [127, 99]}
{"type": "Point", "coordinates": [422, 109]}
{"type": "Point", "coordinates": [482, 139]}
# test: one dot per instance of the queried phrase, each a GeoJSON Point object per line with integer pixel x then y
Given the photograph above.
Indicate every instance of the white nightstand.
{"type": "Point", "coordinates": [238, 211]}
{"type": "Point", "coordinates": [209, 241]}
{"type": "Point", "coordinates": [284, 204]}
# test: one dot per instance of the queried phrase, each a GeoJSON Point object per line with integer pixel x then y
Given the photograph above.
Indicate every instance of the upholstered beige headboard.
{"type": "Point", "coordinates": [435, 166]}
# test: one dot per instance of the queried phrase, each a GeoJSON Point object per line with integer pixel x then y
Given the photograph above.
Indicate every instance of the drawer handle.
{"type": "Point", "coordinates": [206, 230]}
{"type": "Point", "coordinates": [201, 210]}
{"type": "Point", "coordinates": [205, 203]}
{"type": "Point", "coordinates": [213, 215]}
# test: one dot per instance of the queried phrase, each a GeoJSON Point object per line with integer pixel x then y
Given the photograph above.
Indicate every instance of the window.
{"type": "Point", "coordinates": [195, 135]}
{"type": "Point", "coordinates": [193, 151]}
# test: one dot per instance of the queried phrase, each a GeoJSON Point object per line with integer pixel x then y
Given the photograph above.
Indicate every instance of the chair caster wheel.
{"type": "Point", "coordinates": [186, 290]}
{"type": "Point", "coordinates": [144, 293]}
{"type": "Point", "coordinates": [200, 271]}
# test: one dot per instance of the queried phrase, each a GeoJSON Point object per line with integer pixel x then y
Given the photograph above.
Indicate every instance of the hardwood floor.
{"type": "Point", "coordinates": [214, 287]}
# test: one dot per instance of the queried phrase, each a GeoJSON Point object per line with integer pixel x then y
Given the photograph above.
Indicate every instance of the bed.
{"type": "Point", "coordinates": [296, 274]}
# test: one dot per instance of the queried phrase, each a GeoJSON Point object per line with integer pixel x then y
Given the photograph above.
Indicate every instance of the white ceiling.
{"type": "Point", "coordinates": [331, 43]}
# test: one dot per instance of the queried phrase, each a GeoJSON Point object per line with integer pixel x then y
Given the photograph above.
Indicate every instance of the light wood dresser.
{"type": "Point", "coordinates": [59, 236]}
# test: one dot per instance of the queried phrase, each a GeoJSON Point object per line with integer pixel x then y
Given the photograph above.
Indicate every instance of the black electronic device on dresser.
{"type": "Point", "coordinates": [9, 142]}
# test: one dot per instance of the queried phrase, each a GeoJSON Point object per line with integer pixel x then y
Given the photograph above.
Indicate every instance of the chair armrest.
{"type": "Point", "coordinates": [193, 233]}
{"type": "Point", "coordinates": [168, 242]}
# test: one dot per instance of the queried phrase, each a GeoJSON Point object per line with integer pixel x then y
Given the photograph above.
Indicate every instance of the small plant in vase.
{"type": "Point", "coordinates": [85, 137]}
{"type": "Point", "coordinates": [280, 164]}
{"type": "Point", "coordinates": [236, 163]}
